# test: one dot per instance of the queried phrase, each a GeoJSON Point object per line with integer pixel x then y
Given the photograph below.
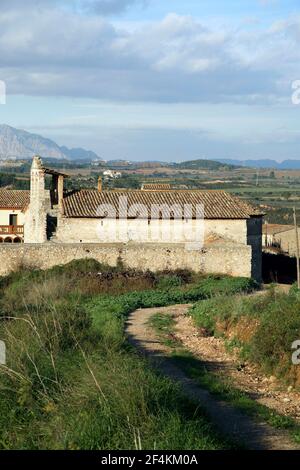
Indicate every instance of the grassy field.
{"type": "Point", "coordinates": [73, 382]}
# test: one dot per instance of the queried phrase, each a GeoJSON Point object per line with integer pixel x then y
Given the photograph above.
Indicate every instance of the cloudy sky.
{"type": "Point", "coordinates": [155, 79]}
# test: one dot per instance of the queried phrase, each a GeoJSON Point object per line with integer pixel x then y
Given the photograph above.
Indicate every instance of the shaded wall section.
{"type": "Point", "coordinates": [279, 268]}
{"type": "Point", "coordinates": [254, 239]}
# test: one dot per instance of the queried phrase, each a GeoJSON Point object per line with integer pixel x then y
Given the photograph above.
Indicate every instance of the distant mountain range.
{"type": "Point", "coordinates": [17, 144]}
{"type": "Point", "coordinates": [79, 154]}
{"type": "Point", "coordinates": [20, 144]}
{"type": "Point", "coordinates": [265, 163]}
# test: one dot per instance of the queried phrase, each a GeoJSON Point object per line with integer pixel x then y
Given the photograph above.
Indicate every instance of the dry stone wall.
{"type": "Point", "coordinates": [232, 259]}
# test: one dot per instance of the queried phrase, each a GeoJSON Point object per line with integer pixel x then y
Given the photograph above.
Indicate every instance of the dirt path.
{"type": "Point", "coordinates": [230, 421]}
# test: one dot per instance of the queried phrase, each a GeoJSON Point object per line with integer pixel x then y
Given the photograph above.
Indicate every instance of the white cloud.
{"type": "Point", "coordinates": [63, 52]}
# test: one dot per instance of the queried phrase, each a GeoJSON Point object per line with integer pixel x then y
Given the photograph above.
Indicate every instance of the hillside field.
{"type": "Point", "coordinates": [71, 379]}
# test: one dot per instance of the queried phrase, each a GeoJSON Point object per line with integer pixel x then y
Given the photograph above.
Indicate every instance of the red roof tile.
{"type": "Point", "coordinates": [217, 204]}
{"type": "Point", "coordinates": [14, 199]}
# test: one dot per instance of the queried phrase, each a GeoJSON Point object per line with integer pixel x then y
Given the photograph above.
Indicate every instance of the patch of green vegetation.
{"type": "Point", "coordinates": [163, 325]}
{"type": "Point", "coordinates": [12, 181]}
{"type": "Point", "coordinates": [204, 164]}
{"type": "Point", "coordinates": [88, 277]}
{"type": "Point", "coordinates": [279, 327]}
{"type": "Point", "coordinates": [73, 382]}
{"type": "Point", "coordinates": [227, 309]}
{"type": "Point", "coordinates": [169, 281]}
{"type": "Point", "coordinates": [119, 307]}
{"type": "Point", "coordinates": [232, 344]}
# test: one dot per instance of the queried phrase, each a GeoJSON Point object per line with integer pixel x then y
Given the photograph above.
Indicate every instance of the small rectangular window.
{"type": "Point", "coordinates": [13, 219]}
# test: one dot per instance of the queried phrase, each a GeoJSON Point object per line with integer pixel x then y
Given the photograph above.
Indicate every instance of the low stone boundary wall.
{"type": "Point", "coordinates": [232, 259]}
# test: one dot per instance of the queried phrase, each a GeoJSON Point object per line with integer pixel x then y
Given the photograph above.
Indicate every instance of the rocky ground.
{"type": "Point", "coordinates": [266, 390]}
{"type": "Point", "coordinates": [252, 434]}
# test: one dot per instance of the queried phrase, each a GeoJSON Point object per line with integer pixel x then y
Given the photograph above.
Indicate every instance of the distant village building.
{"type": "Point", "coordinates": [112, 174]}
{"type": "Point", "coordinates": [155, 216]}
{"type": "Point", "coordinates": [280, 238]}
{"type": "Point", "coordinates": [13, 206]}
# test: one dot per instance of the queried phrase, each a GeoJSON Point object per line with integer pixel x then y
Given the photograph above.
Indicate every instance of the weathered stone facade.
{"type": "Point", "coordinates": [92, 230]}
{"type": "Point", "coordinates": [225, 258]}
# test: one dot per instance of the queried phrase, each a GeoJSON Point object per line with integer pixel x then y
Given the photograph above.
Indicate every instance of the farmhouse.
{"type": "Point", "coordinates": [13, 205]}
{"type": "Point", "coordinates": [212, 230]}
{"type": "Point", "coordinates": [112, 174]}
{"type": "Point", "coordinates": [280, 237]}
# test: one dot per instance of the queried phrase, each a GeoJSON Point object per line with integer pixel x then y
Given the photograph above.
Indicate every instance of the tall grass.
{"type": "Point", "coordinates": [72, 382]}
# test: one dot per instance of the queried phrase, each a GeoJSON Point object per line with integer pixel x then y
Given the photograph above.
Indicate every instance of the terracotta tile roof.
{"type": "Point", "coordinates": [156, 187]}
{"type": "Point", "coordinates": [217, 204]}
{"type": "Point", "coordinates": [272, 229]}
{"type": "Point", "coordinates": [14, 199]}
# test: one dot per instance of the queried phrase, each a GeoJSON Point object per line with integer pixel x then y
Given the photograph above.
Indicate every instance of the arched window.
{"type": "Point", "coordinates": [7, 240]}
{"type": "Point", "coordinates": [17, 240]}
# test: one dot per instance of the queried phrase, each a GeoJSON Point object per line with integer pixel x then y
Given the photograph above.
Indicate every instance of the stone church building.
{"type": "Point", "coordinates": [210, 228]}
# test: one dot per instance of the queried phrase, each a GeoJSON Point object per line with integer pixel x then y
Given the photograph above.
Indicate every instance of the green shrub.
{"type": "Point", "coordinates": [213, 285]}
{"type": "Point", "coordinates": [166, 282]}
{"type": "Point", "coordinates": [279, 327]}
{"type": "Point", "coordinates": [206, 312]}
{"type": "Point", "coordinates": [294, 291]}
{"type": "Point", "coordinates": [227, 309]}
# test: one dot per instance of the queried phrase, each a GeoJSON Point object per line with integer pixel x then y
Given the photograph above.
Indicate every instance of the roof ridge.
{"type": "Point", "coordinates": [218, 204]}
{"type": "Point", "coordinates": [117, 190]}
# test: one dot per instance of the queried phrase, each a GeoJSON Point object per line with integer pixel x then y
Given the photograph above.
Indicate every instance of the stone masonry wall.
{"type": "Point", "coordinates": [88, 230]}
{"type": "Point", "coordinates": [232, 259]}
